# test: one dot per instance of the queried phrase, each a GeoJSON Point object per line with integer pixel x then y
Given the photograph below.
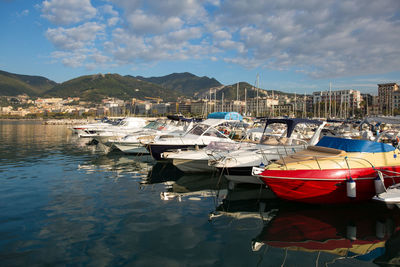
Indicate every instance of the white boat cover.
{"type": "Point", "coordinates": [214, 145]}
{"type": "Point", "coordinates": [392, 195]}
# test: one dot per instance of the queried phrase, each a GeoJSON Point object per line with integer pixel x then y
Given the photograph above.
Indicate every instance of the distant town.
{"type": "Point", "coordinates": [322, 104]}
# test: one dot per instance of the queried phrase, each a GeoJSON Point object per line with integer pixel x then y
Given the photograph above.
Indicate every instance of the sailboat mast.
{"type": "Point", "coordinates": [245, 101]}
{"type": "Point", "coordinates": [222, 102]}
{"type": "Point", "coordinates": [237, 97]}
{"type": "Point", "coordinates": [330, 100]}
{"type": "Point", "coordinates": [258, 77]}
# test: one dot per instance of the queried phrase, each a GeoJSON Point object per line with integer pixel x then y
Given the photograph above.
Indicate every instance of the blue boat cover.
{"type": "Point", "coordinates": [225, 115]}
{"type": "Point", "coordinates": [354, 145]}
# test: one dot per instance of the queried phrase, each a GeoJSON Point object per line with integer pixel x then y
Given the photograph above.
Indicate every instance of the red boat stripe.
{"type": "Point", "coordinates": [322, 179]}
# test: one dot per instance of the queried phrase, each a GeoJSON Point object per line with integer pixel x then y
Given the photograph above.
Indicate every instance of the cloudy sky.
{"type": "Point", "coordinates": [294, 46]}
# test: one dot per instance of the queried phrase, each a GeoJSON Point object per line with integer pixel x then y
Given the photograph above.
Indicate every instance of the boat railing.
{"type": "Point", "coordinates": [345, 158]}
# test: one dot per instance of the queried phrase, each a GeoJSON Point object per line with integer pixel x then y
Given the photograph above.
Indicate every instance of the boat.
{"type": "Point", "coordinates": [296, 134]}
{"type": "Point", "coordinates": [196, 161]}
{"type": "Point", "coordinates": [86, 128]}
{"type": "Point", "coordinates": [124, 127]}
{"type": "Point", "coordinates": [335, 170]}
{"type": "Point", "coordinates": [131, 143]}
{"type": "Point", "coordinates": [198, 137]}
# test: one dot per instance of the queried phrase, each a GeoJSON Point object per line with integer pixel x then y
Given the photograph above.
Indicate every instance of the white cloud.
{"type": "Point", "coordinates": [23, 13]}
{"type": "Point", "coordinates": [64, 12]}
{"type": "Point", "coordinates": [221, 35]}
{"type": "Point", "coordinates": [108, 9]}
{"type": "Point", "coordinates": [319, 38]}
{"type": "Point", "coordinates": [112, 21]}
{"type": "Point", "coordinates": [143, 23]}
{"type": "Point", "coordinates": [71, 59]}
{"type": "Point", "coordinates": [76, 37]}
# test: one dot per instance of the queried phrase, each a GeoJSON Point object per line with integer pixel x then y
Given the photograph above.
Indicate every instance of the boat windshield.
{"type": "Point", "coordinates": [276, 134]}
{"type": "Point", "coordinates": [123, 123]}
{"type": "Point", "coordinates": [214, 132]}
{"type": "Point", "coordinates": [153, 125]}
{"type": "Point", "coordinates": [272, 139]}
{"type": "Point", "coordinates": [206, 130]}
{"type": "Point", "coordinates": [199, 129]}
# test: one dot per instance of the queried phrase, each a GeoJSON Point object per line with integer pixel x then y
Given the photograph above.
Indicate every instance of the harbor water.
{"type": "Point", "coordinates": [63, 202]}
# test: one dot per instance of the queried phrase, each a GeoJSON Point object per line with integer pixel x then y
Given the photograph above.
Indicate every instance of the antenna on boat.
{"type": "Point", "coordinates": [258, 84]}
{"type": "Point", "coordinates": [330, 100]}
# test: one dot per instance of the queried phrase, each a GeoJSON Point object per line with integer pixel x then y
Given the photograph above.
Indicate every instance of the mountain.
{"type": "Point", "coordinates": [245, 90]}
{"type": "Point", "coordinates": [185, 83]}
{"type": "Point", "coordinates": [15, 84]}
{"type": "Point", "coordinates": [99, 86]}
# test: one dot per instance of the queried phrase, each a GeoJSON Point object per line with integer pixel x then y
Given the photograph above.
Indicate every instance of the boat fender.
{"type": "Point", "coordinates": [380, 229]}
{"type": "Point", "coordinates": [379, 185]}
{"type": "Point", "coordinates": [351, 232]}
{"type": "Point", "coordinates": [231, 185]}
{"type": "Point", "coordinates": [351, 188]}
{"type": "Point", "coordinates": [256, 246]}
{"type": "Point", "coordinates": [262, 206]}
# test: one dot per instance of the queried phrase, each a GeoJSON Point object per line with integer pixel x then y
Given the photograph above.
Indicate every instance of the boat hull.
{"type": "Point", "coordinates": [192, 165]}
{"type": "Point", "coordinates": [327, 186]}
{"type": "Point", "coordinates": [131, 148]}
{"type": "Point", "coordinates": [156, 150]}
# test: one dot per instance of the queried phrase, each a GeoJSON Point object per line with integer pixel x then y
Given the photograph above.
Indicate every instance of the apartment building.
{"type": "Point", "coordinates": [389, 98]}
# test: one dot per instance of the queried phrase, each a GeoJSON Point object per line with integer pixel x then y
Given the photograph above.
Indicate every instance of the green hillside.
{"type": "Point", "coordinates": [15, 84]}
{"type": "Point", "coordinates": [185, 83]}
{"type": "Point", "coordinates": [99, 86]}
{"type": "Point", "coordinates": [230, 92]}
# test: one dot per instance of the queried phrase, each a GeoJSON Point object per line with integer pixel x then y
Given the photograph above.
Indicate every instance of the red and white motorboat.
{"type": "Point", "coordinates": [336, 170]}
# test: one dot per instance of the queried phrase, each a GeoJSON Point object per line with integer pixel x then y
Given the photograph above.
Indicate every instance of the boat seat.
{"type": "Point", "coordinates": [146, 137]}
{"type": "Point", "coordinates": [311, 153]}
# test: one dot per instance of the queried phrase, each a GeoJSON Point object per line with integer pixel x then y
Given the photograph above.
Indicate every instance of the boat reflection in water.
{"type": "Point", "coordinates": [247, 202]}
{"type": "Point", "coordinates": [180, 185]}
{"type": "Point", "coordinates": [161, 172]}
{"type": "Point", "coordinates": [354, 232]}
{"type": "Point", "coordinates": [118, 164]}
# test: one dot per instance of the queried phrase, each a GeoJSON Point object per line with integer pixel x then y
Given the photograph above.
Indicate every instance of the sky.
{"type": "Point", "coordinates": [294, 46]}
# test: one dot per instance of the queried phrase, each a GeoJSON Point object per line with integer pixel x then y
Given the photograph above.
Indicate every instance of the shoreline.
{"type": "Point", "coordinates": [53, 121]}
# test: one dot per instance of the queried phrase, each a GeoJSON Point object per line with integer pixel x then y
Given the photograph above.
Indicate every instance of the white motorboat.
{"type": "Point", "coordinates": [195, 161]}
{"type": "Point", "coordinates": [131, 143]}
{"type": "Point", "coordinates": [237, 165]}
{"type": "Point", "coordinates": [86, 128]}
{"type": "Point", "coordinates": [199, 136]}
{"type": "Point", "coordinates": [126, 126]}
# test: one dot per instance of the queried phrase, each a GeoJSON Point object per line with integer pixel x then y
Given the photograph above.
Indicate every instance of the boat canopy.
{"type": "Point", "coordinates": [225, 115]}
{"type": "Point", "coordinates": [291, 123]}
{"type": "Point", "coordinates": [354, 145]}
{"type": "Point", "coordinates": [182, 118]}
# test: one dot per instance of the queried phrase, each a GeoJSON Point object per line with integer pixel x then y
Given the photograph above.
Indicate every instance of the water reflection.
{"type": "Point", "coordinates": [31, 140]}
{"type": "Point", "coordinates": [161, 173]}
{"type": "Point", "coordinates": [247, 201]}
{"type": "Point", "coordinates": [62, 203]}
{"type": "Point", "coordinates": [350, 233]}
{"type": "Point", "coordinates": [118, 164]}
